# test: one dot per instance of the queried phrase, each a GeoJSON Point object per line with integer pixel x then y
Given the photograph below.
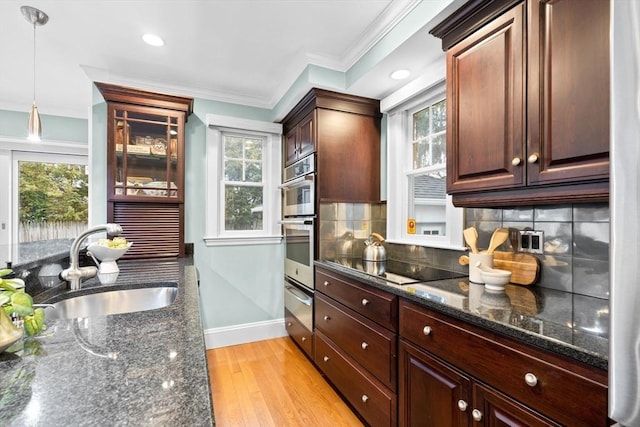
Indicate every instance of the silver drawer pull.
{"type": "Point", "coordinates": [326, 283]}
{"type": "Point", "coordinates": [327, 318]}
{"type": "Point", "coordinates": [364, 345]}
{"type": "Point", "coordinates": [365, 301]}
{"type": "Point", "coordinates": [365, 398]}
{"type": "Point", "coordinates": [326, 358]}
{"type": "Point", "coordinates": [477, 415]}
{"type": "Point", "coordinates": [462, 405]}
{"type": "Point", "coordinates": [426, 330]}
{"type": "Point", "coordinates": [530, 379]}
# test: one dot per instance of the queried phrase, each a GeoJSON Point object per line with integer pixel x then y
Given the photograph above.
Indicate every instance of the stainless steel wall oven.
{"type": "Point", "coordinates": [298, 228]}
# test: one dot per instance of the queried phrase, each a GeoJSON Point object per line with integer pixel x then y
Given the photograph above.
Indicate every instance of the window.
{"type": "Point", "coordinates": [418, 208]}
{"type": "Point", "coordinates": [243, 184]}
{"type": "Point", "coordinates": [45, 196]}
{"type": "Point", "coordinates": [243, 174]}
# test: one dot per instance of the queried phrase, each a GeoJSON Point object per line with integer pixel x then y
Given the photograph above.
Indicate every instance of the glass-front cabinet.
{"type": "Point", "coordinates": [145, 168]}
{"type": "Point", "coordinates": [147, 154]}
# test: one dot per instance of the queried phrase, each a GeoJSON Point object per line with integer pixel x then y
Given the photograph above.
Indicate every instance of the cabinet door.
{"type": "Point", "coordinates": [306, 138]}
{"type": "Point", "coordinates": [568, 91]}
{"type": "Point", "coordinates": [290, 146]}
{"type": "Point", "coordinates": [145, 154]}
{"type": "Point", "coordinates": [485, 107]}
{"type": "Point", "coordinates": [430, 393]}
{"type": "Point", "coordinates": [493, 409]}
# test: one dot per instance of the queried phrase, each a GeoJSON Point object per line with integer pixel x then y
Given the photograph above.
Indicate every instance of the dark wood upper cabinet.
{"type": "Point", "coordinates": [344, 131]}
{"type": "Point", "coordinates": [485, 106]}
{"type": "Point", "coordinates": [568, 114]}
{"type": "Point", "coordinates": [528, 102]}
{"type": "Point", "coordinates": [145, 168]}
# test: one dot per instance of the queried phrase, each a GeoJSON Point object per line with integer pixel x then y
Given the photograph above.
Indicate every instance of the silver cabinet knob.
{"type": "Point", "coordinates": [462, 405]}
{"type": "Point", "coordinates": [530, 379]}
{"type": "Point", "coordinates": [516, 161]}
{"type": "Point", "coordinates": [365, 398]}
{"type": "Point", "coordinates": [426, 330]}
{"type": "Point", "coordinates": [477, 415]}
{"type": "Point", "coordinates": [327, 318]}
{"type": "Point", "coordinates": [533, 158]}
{"type": "Point", "coordinates": [365, 301]}
{"type": "Point", "coordinates": [304, 338]}
{"type": "Point", "coordinates": [326, 283]}
{"type": "Point", "coordinates": [364, 345]}
{"type": "Point", "coordinates": [326, 358]}
{"type": "Point", "coordinates": [289, 323]}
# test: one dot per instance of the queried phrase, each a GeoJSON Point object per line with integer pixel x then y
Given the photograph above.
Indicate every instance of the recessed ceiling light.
{"type": "Point", "coordinates": [153, 40]}
{"type": "Point", "coordinates": [400, 74]}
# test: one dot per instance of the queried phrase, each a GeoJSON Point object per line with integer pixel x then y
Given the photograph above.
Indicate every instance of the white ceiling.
{"type": "Point", "coordinates": [242, 51]}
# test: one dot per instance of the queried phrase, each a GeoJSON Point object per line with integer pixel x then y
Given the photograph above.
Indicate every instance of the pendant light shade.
{"type": "Point", "coordinates": [35, 127]}
{"type": "Point", "coordinates": [35, 17]}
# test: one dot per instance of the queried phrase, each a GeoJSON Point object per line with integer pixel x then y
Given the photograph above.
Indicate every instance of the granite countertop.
{"type": "Point", "coordinates": [146, 368]}
{"type": "Point", "coordinates": [572, 325]}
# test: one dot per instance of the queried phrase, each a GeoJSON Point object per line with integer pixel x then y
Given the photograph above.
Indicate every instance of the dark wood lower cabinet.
{"type": "Point", "coordinates": [433, 394]}
{"type": "Point", "coordinates": [429, 391]}
{"type": "Point", "coordinates": [511, 383]}
{"type": "Point", "coordinates": [374, 402]}
{"type": "Point", "coordinates": [299, 333]}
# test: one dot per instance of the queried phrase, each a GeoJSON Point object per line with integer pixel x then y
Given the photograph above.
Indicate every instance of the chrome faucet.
{"type": "Point", "coordinates": [74, 274]}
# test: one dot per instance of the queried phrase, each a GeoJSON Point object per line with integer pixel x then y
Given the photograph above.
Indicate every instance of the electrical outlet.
{"type": "Point", "coordinates": [532, 241]}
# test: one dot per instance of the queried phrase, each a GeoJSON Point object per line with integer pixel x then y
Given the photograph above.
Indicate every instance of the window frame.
{"type": "Point", "coordinates": [400, 165]}
{"type": "Point", "coordinates": [215, 233]}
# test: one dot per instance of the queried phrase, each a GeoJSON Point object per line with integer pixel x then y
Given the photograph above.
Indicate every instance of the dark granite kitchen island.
{"type": "Point", "coordinates": [145, 369]}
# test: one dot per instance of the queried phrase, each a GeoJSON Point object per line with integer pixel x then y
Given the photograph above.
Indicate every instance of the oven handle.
{"type": "Point", "coordinates": [296, 181]}
{"type": "Point", "coordinates": [296, 294]}
{"type": "Point", "coordinates": [296, 222]}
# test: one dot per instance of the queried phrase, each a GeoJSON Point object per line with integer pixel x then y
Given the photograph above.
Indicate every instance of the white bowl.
{"type": "Point", "coordinates": [104, 253]}
{"type": "Point", "coordinates": [495, 279]}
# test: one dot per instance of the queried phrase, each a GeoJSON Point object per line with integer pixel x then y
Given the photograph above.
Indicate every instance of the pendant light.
{"type": "Point", "coordinates": [35, 17]}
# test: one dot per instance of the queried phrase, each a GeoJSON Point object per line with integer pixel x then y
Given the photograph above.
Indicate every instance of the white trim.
{"type": "Point", "coordinates": [242, 241]}
{"type": "Point", "coordinates": [245, 333]}
{"type": "Point", "coordinates": [55, 147]}
{"type": "Point", "coordinates": [216, 120]}
{"type": "Point", "coordinates": [399, 161]}
{"type": "Point", "coordinates": [216, 235]}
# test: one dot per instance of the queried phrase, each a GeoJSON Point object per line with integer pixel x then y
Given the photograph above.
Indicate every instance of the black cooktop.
{"type": "Point", "coordinates": [398, 272]}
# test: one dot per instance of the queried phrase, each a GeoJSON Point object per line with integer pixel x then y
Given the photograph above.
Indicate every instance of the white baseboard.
{"type": "Point", "coordinates": [245, 333]}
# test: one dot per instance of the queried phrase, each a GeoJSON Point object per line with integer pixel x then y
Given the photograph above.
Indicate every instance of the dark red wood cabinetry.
{"type": "Point", "coordinates": [344, 131]}
{"type": "Point", "coordinates": [528, 102]}
{"type": "Point", "coordinates": [356, 344]}
{"type": "Point", "coordinates": [452, 371]}
{"type": "Point", "coordinates": [145, 168]}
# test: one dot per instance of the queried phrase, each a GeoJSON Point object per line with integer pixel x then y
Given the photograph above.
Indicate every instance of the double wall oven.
{"type": "Point", "coordinates": [298, 225]}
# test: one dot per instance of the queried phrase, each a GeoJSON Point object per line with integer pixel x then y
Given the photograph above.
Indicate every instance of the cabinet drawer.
{"type": "Point", "coordinates": [377, 305]}
{"type": "Point", "coordinates": [369, 344]}
{"type": "Point", "coordinates": [372, 400]}
{"type": "Point", "coordinates": [566, 391]}
{"type": "Point", "coordinates": [299, 333]}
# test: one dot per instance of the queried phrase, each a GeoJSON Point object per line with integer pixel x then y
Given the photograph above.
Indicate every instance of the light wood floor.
{"type": "Point", "coordinates": [271, 383]}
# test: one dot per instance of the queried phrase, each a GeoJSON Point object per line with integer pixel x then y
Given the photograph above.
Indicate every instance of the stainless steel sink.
{"type": "Point", "coordinates": [113, 302]}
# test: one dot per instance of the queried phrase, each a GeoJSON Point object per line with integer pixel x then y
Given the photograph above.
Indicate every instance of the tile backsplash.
{"type": "Point", "coordinates": [576, 240]}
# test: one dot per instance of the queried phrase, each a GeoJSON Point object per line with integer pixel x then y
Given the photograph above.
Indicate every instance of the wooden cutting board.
{"type": "Point", "coordinates": [524, 268]}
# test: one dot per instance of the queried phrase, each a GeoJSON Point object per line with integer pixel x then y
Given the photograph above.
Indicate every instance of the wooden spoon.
{"type": "Point", "coordinates": [471, 237]}
{"type": "Point", "coordinates": [463, 260]}
{"type": "Point", "coordinates": [500, 235]}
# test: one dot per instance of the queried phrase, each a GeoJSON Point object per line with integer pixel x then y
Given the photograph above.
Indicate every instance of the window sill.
{"type": "Point", "coordinates": [242, 241]}
{"type": "Point", "coordinates": [417, 242]}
